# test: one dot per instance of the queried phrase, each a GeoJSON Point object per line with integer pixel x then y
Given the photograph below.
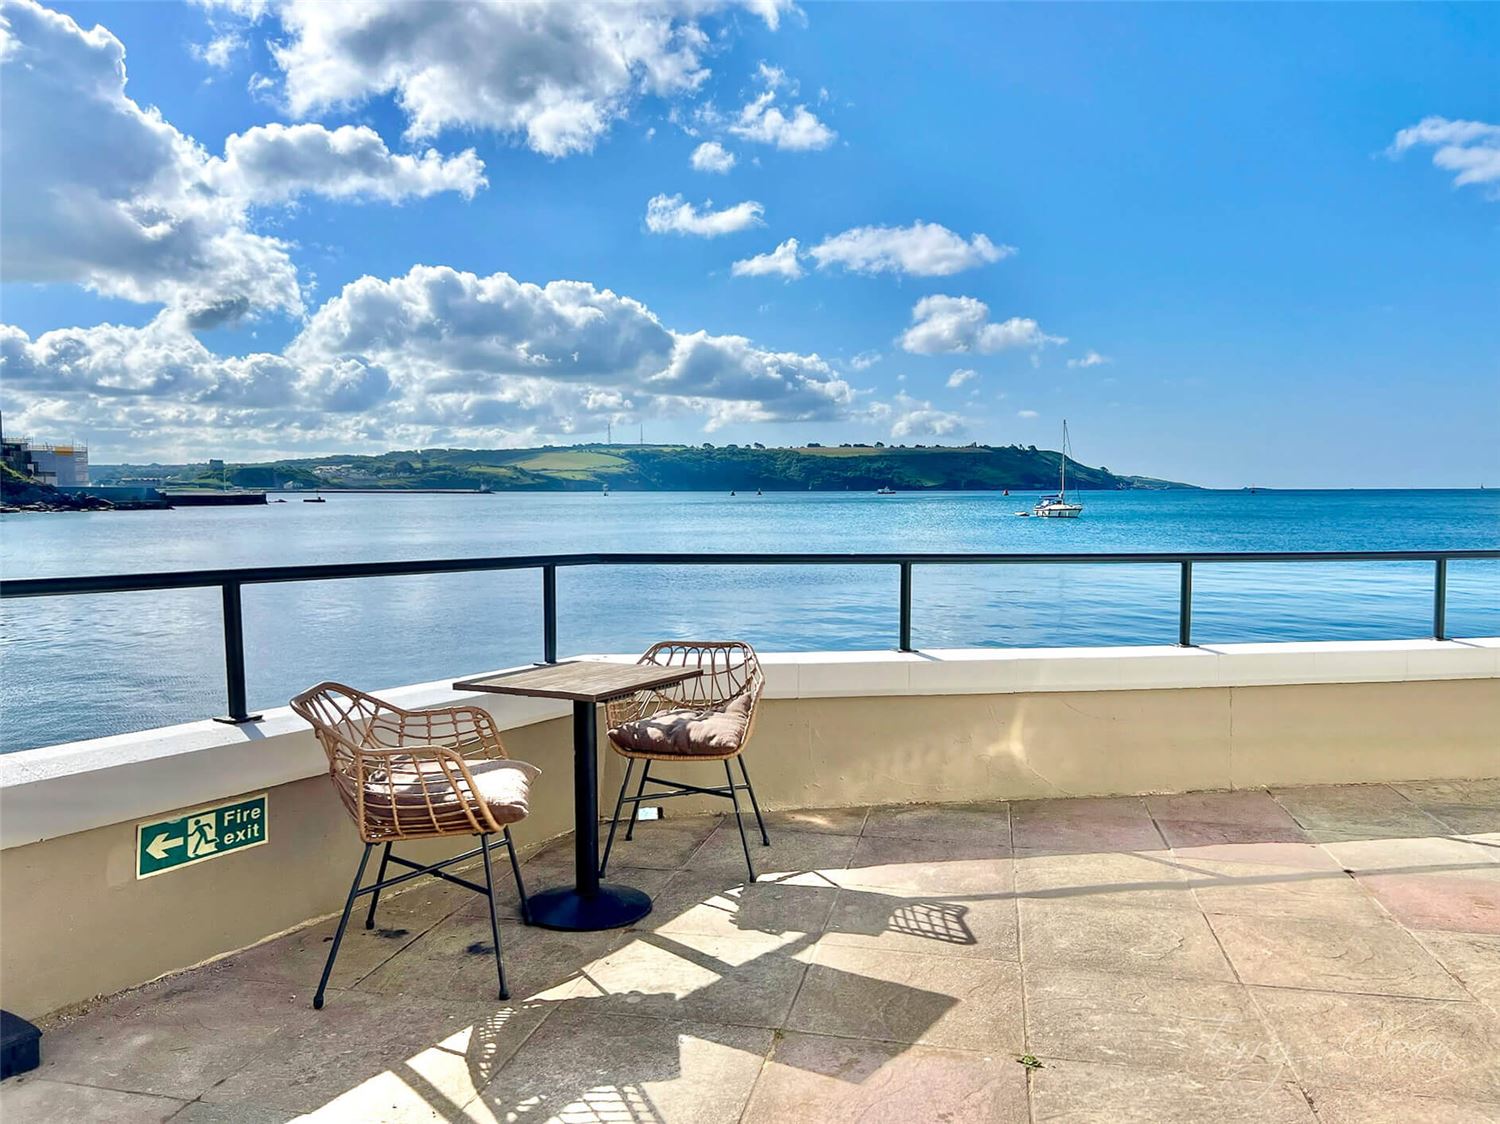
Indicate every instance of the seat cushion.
{"type": "Point", "coordinates": [401, 795]}
{"type": "Point", "coordinates": [687, 733]}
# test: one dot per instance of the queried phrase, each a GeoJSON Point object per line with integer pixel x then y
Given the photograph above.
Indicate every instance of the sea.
{"type": "Point", "coordinates": [86, 666]}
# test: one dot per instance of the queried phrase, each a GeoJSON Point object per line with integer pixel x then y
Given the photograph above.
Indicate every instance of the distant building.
{"type": "Point", "coordinates": [62, 466]}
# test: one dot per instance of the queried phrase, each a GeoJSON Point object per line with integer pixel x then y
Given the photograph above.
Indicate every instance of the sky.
{"type": "Point", "coordinates": [1229, 244]}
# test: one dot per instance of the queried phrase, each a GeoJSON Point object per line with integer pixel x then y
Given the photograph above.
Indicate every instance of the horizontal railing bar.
{"type": "Point", "coordinates": [261, 575]}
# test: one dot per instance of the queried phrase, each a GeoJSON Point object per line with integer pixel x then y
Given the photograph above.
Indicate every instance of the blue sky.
{"type": "Point", "coordinates": [1191, 230]}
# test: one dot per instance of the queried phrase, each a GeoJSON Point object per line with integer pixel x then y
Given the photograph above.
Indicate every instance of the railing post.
{"type": "Point", "coordinates": [549, 614]}
{"type": "Point", "coordinates": [1440, 600]}
{"type": "Point", "coordinates": [234, 657]}
{"type": "Point", "coordinates": [1185, 607]}
{"type": "Point", "coordinates": [906, 607]}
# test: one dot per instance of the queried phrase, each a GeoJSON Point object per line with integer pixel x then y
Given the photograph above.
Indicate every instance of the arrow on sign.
{"type": "Point", "coordinates": [159, 846]}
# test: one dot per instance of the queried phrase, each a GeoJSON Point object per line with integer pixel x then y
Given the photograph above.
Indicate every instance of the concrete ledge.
{"type": "Point", "coordinates": [59, 790]}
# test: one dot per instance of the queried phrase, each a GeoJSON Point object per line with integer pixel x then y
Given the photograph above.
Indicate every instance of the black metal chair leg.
{"type": "Point", "coordinates": [738, 822]}
{"type": "Point", "coordinates": [754, 803]}
{"type": "Point", "coordinates": [615, 822]}
{"type": "Point", "coordinates": [338, 936]}
{"type": "Point", "coordinates": [635, 808]}
{"type": "Point", "coordinates": [515, 867]}
{"type": "Point", "coordinates": [489, 882]}
{"type": "Point", "coordinates": [375, 894]}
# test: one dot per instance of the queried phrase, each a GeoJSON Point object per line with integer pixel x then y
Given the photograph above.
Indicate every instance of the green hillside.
{"type": "Point", "coordinates": [683, 468]}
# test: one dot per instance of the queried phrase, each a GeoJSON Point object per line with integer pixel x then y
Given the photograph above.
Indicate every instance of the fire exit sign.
{"type": "Point", "coordinates": [163, 845]}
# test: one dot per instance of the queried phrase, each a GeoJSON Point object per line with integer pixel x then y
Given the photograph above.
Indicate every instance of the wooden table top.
{"type": "Point", "coordinates": [580, 680]}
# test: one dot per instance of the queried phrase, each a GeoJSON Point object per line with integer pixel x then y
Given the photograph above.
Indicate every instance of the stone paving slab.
{"type": "Point", "coordinates": [1246, 956]}
{"type": "Point", "coordinates": [812, 1078]}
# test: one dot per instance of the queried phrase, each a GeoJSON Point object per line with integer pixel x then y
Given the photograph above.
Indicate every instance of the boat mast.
{"type": "Point", "coordinates": [1062, 468]}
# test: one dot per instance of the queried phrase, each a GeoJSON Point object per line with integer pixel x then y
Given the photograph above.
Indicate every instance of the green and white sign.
{"type": "Point", "coordinates": [163, 845]}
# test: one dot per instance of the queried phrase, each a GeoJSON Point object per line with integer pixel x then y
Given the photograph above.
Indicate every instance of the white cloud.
{"type": "Point", "coordinates": [780, 262]}
{"type": "Point", "coordinates": [98, 191]}
{"type": "Point", "coordinates": [1090, 359]}
{"type": "Point", "coordinates": [923, 249]}
{"type": "Point", "coordinates": [434, 356]}
{"type": "Point", "coordinates": [671, 214]}
{"type": "Point", "coordinates": [219, 51]}
{"type": "Point", "coordinates": [559, 74]}
{"type": "Point", "coordinates": [942, 324]}
{"type": "Point", "coordinates": [961, 376]}
{"type": "Point", "coordinates": [271, 163]}
{"type": "Point", "coordinates": [910, 417]}
{"type": "Point", "coordinates": [1470, 149]}
{"type": "Point", "coordinates": [711, 156]}
{"type": "Point", "coordinates": [761, 120]}
{"type": "Point", "coordinates": [865, 360]}
{"type": "Point", "coordinates": [1027, 414]}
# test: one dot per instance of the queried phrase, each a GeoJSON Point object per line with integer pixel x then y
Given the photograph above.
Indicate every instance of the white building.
{"type": "Point", "coordinates": [62, 466]}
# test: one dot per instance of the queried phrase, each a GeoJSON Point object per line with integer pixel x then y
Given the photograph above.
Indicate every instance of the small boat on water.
{"type": "Point", "coordinates": [606, 489]}
{"type": "Point", "coordinates": [1058, 506]}
{"type": "Point", "coordinates": [316, 499]}
{"type": "Point", "coordinates": [886, 491]}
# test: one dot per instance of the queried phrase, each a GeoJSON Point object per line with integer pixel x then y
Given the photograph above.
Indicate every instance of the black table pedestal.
{"type": "Point", "coordinates": [589, 904]}
{"type": "Point", "coordinates": [611, 906]}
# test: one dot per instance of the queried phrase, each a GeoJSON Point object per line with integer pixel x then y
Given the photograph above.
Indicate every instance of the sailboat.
{"type": "Point", "coordinates": [1058, 507]}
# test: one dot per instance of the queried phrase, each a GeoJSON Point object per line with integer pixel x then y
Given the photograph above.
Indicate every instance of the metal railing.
{"type": "Point", "coordinates": [230, 582]}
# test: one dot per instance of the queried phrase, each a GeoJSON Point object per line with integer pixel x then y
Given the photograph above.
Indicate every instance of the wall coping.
{"type": "Point", "coordinates": [63, 789]}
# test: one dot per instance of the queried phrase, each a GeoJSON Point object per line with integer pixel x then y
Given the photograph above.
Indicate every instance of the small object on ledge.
{"type": "Point", "coordinates": [20, 1045]}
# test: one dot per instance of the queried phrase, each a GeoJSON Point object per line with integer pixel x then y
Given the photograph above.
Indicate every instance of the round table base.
{"type": "Point", "coordinates": [612, 907]}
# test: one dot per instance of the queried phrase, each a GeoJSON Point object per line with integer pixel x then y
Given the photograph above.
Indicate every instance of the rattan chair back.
{"type": "Point", "coordinates": [403, 774]}
{"type": "Point", "coordinates": [730, 670]}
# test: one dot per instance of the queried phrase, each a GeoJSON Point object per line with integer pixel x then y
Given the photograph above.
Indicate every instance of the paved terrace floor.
{"type": "Point", "coordinates": [1300, 955]}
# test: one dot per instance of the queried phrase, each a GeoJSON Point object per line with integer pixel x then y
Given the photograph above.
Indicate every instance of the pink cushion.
{"type": "Point", "coordinates": [405, 792]}
{"type": "Point", "coordinates": [687, 732]}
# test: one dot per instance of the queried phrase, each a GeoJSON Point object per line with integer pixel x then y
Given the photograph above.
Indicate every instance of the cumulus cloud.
{"type": "Point", "coordinates": [671, 214]}
{"type": "Point", "coordinates": [96, 190]}
{"type": "Point", "coordinates": [99, 191]}
{"type": "Point", "coordinates": [1090, 359]}
{"type": "Point", "coordinates": [910, 417]}
{"type": "Point", "coordinates": [711, 156]}
{"type": "Point", "coordinates": [865, 360]}
{"type": "Point", "coordinates": [433, 356]}
{"type": "Point", "coordinates": [763, 121]}
{"type": "Point", "coordinates": [961, 376]}
{"type": "Point", "coordinates": [276, 162]}
{"type": "Point", "coordinates": [942, 324]}
{"type": "Point", "coordinates": [780, 262]}
{"type": "Point", "coordinates": [219, 51]}
{"type": "Point", "coordinates": [558, 74]}
{"type": "Point", "coordinates": [1469, 149]}
{"type": "Point", "coordinates": [923, 249]}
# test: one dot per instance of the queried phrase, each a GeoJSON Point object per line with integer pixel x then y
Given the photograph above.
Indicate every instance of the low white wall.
{"type": "Point", "coordinates": [58, 790]}
{"type": "Point", "coordinates": [836, 729]}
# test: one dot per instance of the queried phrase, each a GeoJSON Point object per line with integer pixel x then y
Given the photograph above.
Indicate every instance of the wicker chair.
{"type": "Point", "coordinates": [427, 774]}
{"type": "Point", "coordinates": [708, 718]}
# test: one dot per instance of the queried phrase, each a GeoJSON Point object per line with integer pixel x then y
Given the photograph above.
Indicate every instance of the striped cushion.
{"type": "Point", "coordinates": [687, 733]}
{"type": "Point", "coordinates": [401, 796]}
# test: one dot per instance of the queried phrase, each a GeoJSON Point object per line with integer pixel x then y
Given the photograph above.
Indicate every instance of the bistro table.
{"type": "Point", "coordinates": [588, 904]}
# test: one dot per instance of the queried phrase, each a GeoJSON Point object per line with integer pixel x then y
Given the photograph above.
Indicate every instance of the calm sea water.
{"type": "Point", "coordinates": [81, 667]}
